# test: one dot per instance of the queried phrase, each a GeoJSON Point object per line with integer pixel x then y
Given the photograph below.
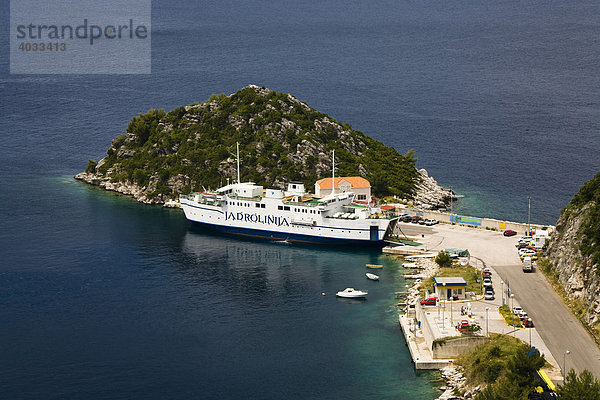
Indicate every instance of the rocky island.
{"type": "Point", "coordinates": [192, 148]}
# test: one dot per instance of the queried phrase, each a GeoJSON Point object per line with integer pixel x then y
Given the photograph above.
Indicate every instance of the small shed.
{"type": "Point", "coordinates": [450, 287]}
{"type": "Point", "coordinates": [455, 253]}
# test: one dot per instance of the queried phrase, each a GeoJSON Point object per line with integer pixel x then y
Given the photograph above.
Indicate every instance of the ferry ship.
{"type": "Point", "coordinates": [248, 209]}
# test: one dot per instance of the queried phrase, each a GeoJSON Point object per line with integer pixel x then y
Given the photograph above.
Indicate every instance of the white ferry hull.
{"type": "Point", "coordinates": [259, 223]}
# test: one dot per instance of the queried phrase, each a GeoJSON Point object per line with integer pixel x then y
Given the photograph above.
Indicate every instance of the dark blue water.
{"type": "Point", "coordinates": [103, 298]}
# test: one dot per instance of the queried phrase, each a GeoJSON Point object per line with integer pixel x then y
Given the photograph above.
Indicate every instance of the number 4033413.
{"type": "Point", "coordinates": [42, 46]}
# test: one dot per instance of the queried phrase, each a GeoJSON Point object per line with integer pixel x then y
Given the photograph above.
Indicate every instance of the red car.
{"type": "Point", "coordinates": [463, 326]}
{"type": "Point", "coordinates": [509, 232]}
{"type": "Point", "coordinates": [432, 301]}
{"type": "Point", "coordinates": [486, 274]}
{"type": "Point", "coordinates": [528, 323]}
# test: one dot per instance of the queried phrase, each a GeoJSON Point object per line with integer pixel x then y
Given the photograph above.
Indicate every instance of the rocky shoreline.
{"type": "Point", "coordinates": [429, 194]}
{"type": "Point", "coordinates": [456, 388]}
{"type": "Point", "coordinates": [140, 194]}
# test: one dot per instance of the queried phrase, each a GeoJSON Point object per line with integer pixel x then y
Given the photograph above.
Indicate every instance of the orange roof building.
{"type": "Point", "coordinates": [356, 184]}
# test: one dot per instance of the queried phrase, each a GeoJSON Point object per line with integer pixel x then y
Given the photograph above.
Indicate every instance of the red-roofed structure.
{"type": "Point", "coordinates": [356, 184]}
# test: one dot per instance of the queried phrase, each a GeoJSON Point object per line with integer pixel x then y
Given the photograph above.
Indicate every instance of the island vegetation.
{"type": "Point", "coordinates": [192, 148]}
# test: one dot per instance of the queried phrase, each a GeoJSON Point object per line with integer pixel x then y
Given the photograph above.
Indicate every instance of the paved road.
{"type": "Point", "coordinates": [557, 326]}
{"type": "Point", "coordinates": [555, 323]}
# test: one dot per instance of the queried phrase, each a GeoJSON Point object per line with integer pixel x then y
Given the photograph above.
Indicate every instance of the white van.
{"type": "Point", "coordinates": [527, 264]}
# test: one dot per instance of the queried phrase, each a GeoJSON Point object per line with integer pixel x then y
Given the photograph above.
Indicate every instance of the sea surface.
{"type": "Point", "coordinates": [104, 298]}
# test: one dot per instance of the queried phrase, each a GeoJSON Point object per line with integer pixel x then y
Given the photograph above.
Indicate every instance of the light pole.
{"type": "Point", "coordinates": [487, 329]}
{"type": "Point", "coordinates": [567, 352]}
{"type": "Point", "coordinates": [512, 296]}
{"type": "Point", "coordinates": [451, 204]}
{"type": "Point", "coordinates": [444, 316]}
{"type": "Point", "coordinates": [529, 336]}
{"type": "Point", "coordinates": [502, 283]}
{"type": "Point", "coordinates": [528, 215]}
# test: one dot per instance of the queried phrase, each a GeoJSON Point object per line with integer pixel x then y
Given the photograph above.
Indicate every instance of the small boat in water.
{"type": "Point", "coordinates": [374, 266]}
{"type": "Point", "coordinates": [352, 293]}
{"type": "Point", "coordinates": [372, 277]}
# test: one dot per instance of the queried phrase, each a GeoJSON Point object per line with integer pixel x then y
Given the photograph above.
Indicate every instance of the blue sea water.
{"type": "Point", "coordinates": [105, 298]}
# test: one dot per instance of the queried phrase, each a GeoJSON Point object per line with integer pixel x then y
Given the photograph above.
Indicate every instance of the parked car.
{"type": "Point", "coordinates": [487, 282]}
{"type": "Point", "coordinates": [528, 323]}
{"type": "Point", "coordinates": [406, 218]}
{"type": "Point", "coordinates": [526, 239]}
{"type": "Point", "coordinates": [486, 274]}
{"type": "Point", "coordinates": [527, 252]}
{"type": "Point", "coordinates": [522, 315]}
{"type": "Point", "coordinates": [415, 219]}
{"type": "Point", "coordinates": [430, 301]}
{"type": "Point", "coordinates": [489, 289]}
{"type": "Point", "coordinates": [430, 221]}
{"type": "Point", "coordinates": [516, 310]}
{"type": "Point", "coordinates": [489, 295]}
{"type": "Point", "coordinates": [509, 232]}
{"type": "Point", "coordinates": [486, 269]}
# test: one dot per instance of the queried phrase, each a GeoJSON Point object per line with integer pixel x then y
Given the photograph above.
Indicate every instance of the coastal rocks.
{"type": "Point", "coordinates": [576, 273]}
{"type": "Point", "coordinates": [456, 388]}
{"type": "Point", "coordinates": [430, 195]}
{"type": "Point", "coordinates": [124, 187]}
{"type": "Point", "coordinates": [428, 268]}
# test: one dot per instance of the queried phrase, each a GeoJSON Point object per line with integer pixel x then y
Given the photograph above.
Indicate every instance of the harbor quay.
{"type": "Point", "coordinates": [431, 330]}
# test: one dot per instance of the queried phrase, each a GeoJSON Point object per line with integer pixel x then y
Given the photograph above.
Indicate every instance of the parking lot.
{"type": "Point", "coordinates": [555, 324]}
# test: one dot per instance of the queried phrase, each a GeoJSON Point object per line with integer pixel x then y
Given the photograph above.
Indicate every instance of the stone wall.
{"type": "Point", "coordinates": [425, 328]}
{"type": "Point", "coordinates": [453, 348]}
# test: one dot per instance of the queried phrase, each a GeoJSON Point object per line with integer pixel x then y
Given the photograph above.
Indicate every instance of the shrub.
{"type": "Point", "coordinates": [443, 259]}
{"type": "Point", "coordinates": [91, 167]}
{"type": "Point", "coordinates": [584, 386]}
{"type": "Point", "coordinates": [493, 371]}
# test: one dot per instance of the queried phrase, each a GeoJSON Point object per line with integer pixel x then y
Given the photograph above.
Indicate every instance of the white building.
{"type": "Point", "coordinates": [450, 287]}
{"type": "Point", "coordinates": [360, 186]}
{"type": "Point", "coordinates": [541, 238]}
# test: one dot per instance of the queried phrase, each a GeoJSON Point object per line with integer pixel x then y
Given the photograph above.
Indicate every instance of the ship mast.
{"type": "Point", "coordinates": [332, 172]}
{"type": "Point", "coordinates": [238, 162]}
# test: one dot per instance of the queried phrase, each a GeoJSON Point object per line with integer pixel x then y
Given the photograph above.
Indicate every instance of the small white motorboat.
{"type": "Point", "coordinates": [352, 293]}
{"type": "Point", "coordinates": [372, 277]}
